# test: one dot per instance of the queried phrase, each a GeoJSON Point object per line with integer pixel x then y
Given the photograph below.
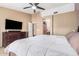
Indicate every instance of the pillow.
{"type": "Point", "coordinates": [69, 35]}
{"type": "Point", "coordinates": [74, 41]}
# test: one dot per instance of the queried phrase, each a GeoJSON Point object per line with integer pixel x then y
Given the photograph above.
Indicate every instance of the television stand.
{"type": "Point", "coordinates": [9, 37]}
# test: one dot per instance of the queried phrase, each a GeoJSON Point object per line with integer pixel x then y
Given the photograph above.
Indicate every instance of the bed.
{"type": "Point", "coordinates": [41, 45]}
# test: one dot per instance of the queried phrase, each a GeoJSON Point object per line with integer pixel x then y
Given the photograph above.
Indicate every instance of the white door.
{"type": "Point", "coordinates": [30, 29]}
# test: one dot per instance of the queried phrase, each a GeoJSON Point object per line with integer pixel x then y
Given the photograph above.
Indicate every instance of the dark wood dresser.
{"type": "Point", "coordinates": [9, 37]}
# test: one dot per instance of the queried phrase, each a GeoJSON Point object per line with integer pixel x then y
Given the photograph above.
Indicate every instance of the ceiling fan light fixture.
{"type": "Point", "coordinates": [34, 7]}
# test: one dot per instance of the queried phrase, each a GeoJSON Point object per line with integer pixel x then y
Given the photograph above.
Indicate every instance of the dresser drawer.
{"type": "Point", "coordinates": [9, 37]}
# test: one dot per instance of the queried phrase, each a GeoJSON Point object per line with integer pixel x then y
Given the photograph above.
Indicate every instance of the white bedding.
{"type": "Point", "coordinates": [42, 45]}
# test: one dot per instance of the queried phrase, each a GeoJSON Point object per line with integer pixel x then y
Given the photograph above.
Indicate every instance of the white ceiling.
{"type": "Point", "coordinates": [20, 6]}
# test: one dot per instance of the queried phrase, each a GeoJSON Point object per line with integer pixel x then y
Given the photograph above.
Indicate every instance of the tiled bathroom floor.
{"type": "Point", "coordinates": [2, 52]}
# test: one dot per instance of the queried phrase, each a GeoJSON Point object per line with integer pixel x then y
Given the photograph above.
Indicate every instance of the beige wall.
{"type": "Point", "coordinates": [37, 20]}
{"type": "Point", "coordinates": [61, 24]}
{"type": "Point", "coordinates": [14, 15]}
{"type": "Point", "coordinates": [64, 23]}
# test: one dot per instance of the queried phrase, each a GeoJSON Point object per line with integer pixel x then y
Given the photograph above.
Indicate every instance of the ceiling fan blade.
{"type": "Point", "coordinates": [36, 4]}
{"type": "Point", "coordinates": [31, 4]}
{"type": "Point", "coordinates": [27, 7]}
{"type": "Point", "coordinates": [40, 8]}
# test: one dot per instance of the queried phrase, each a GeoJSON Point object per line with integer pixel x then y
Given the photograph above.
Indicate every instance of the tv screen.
{"type": "Point", "coordinates": [11, 24]}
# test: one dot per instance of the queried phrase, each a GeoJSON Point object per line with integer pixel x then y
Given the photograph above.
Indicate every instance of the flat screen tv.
{"type": "Point", "coordinates": [11, 24]}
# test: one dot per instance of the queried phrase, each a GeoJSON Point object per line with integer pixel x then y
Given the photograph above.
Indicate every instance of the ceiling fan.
{"type": "Point", "coordinates": [34, 6]}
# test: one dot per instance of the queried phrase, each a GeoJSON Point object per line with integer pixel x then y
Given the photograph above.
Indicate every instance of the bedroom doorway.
{"type": "Point", "coordinates": [48, 25]}
{"type": "Point", "coordinates": [45, 29]}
